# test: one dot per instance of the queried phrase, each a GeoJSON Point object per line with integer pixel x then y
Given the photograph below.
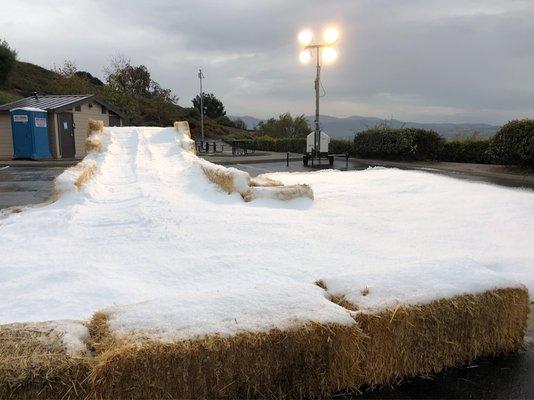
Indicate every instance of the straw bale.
{"type": "Point", "coordinates": [187, 143]}
{"type": "Point", "coordinates": [264, 181]}
{"type": "Point", "coordinates": [87, 170]}
{"type": "Point", "coordinates": [222, 177]}
{"type": "Point", "coordinates": [34, 364]}
{"type": "Point", "coordinates": [96, 126]}
{"type": "Point", "coordinates": [93, 142]}
{"type": "Point", "coordinates": [283, 193]}
{"type": "Point", "coordinates": [311, 361]}
{"type": "Point", "coordinates": [425, 339]}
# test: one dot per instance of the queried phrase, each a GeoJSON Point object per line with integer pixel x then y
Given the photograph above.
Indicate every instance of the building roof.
{"type": "Point", "coordinates": [57, 103]}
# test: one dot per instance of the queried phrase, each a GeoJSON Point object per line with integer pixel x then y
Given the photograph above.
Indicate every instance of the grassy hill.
{"type": "Point", "coordinates": [27, 78]}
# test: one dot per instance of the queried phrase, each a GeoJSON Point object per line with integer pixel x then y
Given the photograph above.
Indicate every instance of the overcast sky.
{"type": "Point", "coordinates": [417, 60]}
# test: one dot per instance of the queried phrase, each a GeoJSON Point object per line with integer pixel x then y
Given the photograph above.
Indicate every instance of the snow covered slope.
{"type": "Point", "coordinates": [151, 240]}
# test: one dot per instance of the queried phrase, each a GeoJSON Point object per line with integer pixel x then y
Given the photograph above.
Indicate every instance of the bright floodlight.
{"type": "Point", "coordinates": [305, 37]}
{"type": "Point", "coordinates": [330, 35]}
{"type": "Point", "coordinates": [305, 56]}
{"type": "Point", "coordinates": [329, 55]}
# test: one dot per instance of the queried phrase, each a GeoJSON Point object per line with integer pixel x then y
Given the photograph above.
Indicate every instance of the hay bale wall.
{"type": "Point", "coordinates": [426, 339]}
{"type": "Point", "coordinates": [317, 360]}
{"type": "Point", "coordinates": [311, 361]}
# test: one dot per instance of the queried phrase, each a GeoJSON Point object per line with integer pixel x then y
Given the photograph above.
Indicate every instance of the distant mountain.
{"type": "Point", "coordinates": [346, 127]}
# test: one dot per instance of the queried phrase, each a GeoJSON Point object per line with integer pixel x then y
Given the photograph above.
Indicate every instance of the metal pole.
{"type": "Point", "coordinates": [200, 76]}
{"type": "Point", "coordinates": [317, 83]}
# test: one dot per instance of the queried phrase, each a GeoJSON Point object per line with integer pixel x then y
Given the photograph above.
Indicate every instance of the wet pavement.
{"type": "Point", "coordinates": [506, 377]}
{"type": "Point", "coordinates": [510, 377]}
{"type": "Point", "coordinates": [26, 185]}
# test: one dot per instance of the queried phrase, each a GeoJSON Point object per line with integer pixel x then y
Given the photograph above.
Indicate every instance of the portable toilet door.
{"type": "Point", "coordinates": [22, 135]}
{"type": "Point", "coordinates": [30, 133]}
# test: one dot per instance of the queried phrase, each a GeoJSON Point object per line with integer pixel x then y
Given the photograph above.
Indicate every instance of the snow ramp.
{"type": "Point", "coordinates": [161, 275]}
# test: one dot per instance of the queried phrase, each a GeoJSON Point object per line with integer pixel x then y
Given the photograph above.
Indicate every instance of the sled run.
{"type": "Point", "coordinates": [155, 274]}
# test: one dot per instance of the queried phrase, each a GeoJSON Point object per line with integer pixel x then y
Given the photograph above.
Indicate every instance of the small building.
{"type": "Point", "coordinates": [68, 117]}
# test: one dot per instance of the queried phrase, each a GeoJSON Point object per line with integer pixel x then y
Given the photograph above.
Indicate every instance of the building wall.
{"type": "Point", "coordinates": [81, 123]}
{"type": "Point", "coordinates": [6, 138]}
{"type": "Point", "coordinates": [52, 133]}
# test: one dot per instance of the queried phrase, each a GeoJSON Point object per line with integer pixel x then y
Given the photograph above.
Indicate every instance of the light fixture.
{"type": "Point", "coordinates": [305, 56]}
{"type": "Point", "coordinates": [331, 35]}
{"type": "Point", "coordinates": [305, 37]}
{"type": "Point", "coordinates": [329, 55]}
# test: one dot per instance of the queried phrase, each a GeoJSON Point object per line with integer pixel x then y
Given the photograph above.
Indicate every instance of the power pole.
{"type": "Point", "coordinates": [200, 76]}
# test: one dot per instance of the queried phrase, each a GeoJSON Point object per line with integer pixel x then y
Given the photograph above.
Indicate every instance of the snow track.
{"type": "Point", "coordinates": [152, 241]}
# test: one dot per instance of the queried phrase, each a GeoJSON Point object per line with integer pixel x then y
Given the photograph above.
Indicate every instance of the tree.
{"type": "Point", "coordinates": [285, 126]}
{"type": "Point", "coordinates": [122, 76]}
{"type": "Point", "coordinates": [67, 70]}
{"type": "Point", "coordinates": [131, 79]}
{"type": "Point", "coordinates": [87, 76]}
{"type": "Point", "coordinates": [240, 124]}
{"type": "Point", "coordinates": [70, 81]}
{"type": "Point", "coordinates": [213, 107]}
{"type": "Point", "coordinates": [8, 57]}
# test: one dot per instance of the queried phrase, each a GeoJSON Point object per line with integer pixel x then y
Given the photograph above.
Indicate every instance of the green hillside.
{"type": "Point", "coordinates": [27, 78]}
{"type": "Point", "coordinates": [147, 110]}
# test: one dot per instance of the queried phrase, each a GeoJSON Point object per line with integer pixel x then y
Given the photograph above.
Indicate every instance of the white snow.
{"type": "Point", "coordinates": [150, 239]}
{"type": "Point", "coordinates": [250, 308]}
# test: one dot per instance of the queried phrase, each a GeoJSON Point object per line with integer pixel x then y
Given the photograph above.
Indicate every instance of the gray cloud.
{"type": "Point", "coordinates": [423, 60]}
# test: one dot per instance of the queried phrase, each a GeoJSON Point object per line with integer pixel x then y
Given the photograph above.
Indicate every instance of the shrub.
{"type": "Point", "coordinates": [338, 146]}
{"type": "Point", "coordinates": [282, 145]}
{"type": "Point", "coordinates": [225, 121]}
{"type": "Point", "coordinates": [469, 150]}
{"type": "Point", "coordinates": [514, 143]}
{"type": "Point", "coordinates": [398, 144]}
{"type": "Point", "coordinates": [267, 143]}
{"type": "Point", "coordinates": [285, 126]}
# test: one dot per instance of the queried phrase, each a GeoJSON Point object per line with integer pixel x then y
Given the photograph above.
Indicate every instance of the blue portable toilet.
{"type": "Point", "coordinates": [30, 133]}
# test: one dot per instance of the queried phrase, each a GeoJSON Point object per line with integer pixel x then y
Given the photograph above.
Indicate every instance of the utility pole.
{"type": "Point", "coordinates": [200, 76]}
{"type": "Point", "coordinates": [317, 136]}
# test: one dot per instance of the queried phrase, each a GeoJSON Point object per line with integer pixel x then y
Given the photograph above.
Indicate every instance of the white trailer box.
{"type": "Point", "coordinates": [324, 141]}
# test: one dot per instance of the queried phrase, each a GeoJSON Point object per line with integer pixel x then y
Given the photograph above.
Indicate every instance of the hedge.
{"type": "Point", "coordinates": [398, 144]}
{"type": "Point", "coordinates": [338, 146]}
{"type": "Point", "coordinates": [467, 151]}
{"type": "Point", "coordinates": [267, 143]}
{"type": "Point", "coordinates": [514, 143]}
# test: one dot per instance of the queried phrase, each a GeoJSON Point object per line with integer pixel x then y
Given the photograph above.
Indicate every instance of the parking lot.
{"type": "Point", "coordinates": [26, 185]}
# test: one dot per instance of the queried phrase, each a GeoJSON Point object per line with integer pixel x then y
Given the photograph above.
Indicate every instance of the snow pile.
{"type": "Point", "coordinates": [248, 309]}
{"type": "Point", "coordinates": [153, 242]}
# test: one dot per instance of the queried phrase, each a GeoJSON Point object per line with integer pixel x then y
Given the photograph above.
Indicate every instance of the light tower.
{"type": "Point", "coordinates": [325, 54]}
